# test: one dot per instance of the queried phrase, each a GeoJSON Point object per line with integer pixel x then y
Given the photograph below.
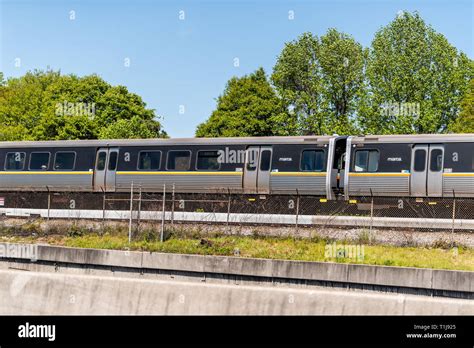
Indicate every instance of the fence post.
{"type": "Point", "coordinates": [131, 217]}
{"type": "Point", "coordinates": [139, 208]}
{"type": "Point", "coordinates": [163, 215]}
{"type": "Point", "coordinates": [49, 201]}
{"type": "Point", "coordinates": [172, 206]}
{"type": "Point", "coordinates": [228, 207]}
{"type": "Point", "coordinates": [371, 211]}
{"type": "Point", "coordinates": [103, 205]}
{"type": "Point", "coordinates": [103, 208]}
{"type": "Point", "coordinates": [297, 208]}
{"type": "Point", "coordinates": [454, 218]}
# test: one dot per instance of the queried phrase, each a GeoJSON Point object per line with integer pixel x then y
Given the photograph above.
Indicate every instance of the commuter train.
{"type": "Point", "coordinates": [337, 167]}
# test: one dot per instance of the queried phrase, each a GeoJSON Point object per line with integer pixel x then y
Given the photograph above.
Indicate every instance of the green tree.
{"type": "Point", "coordinates": [134, 128]}
{"type": "Point", "coordinates": [319, 79]}
{"type": "Point", "coordinates": [342, 62]}
{"type": "Point", "coordinates": [298, 81]}
{"type": "Point", "coordinates": [415, 72]}
{"type": "Point", "coordinates": [465, 122]}
{"type": "Point", "coordinates": [248, 107]}
{"type": "Point", "coordinates": [21, 104]}
{"type": "Point", "coordinates": [45, 105]}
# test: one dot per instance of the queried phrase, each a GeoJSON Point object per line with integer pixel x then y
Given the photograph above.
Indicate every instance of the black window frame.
{"type": "Point", "coordinates": [138, 160]}
{"type": "Point", "coordinates": [39, 152]}
{"type": "Point", "coordinates": [247, 163]}
{"type": "Point", "coordinates": [269, 160]}
{"type": "Point", "coordinates": [65, 170]}
{"type": "Point", "coordinates": [368, 161]}
{"type": "Point", "coordinates": [13, 170]}
{"type": "Point", "coordinates": [179, 170]}
{"type": "Point", "coordinates": [425, 151]}
{"type": "Point", "coordinates": [116, 154]}
{"type": "Point", "coordinates": [97, 161]}
{"type": "Point", "coordinates": [431, 161]}
{"type": "Point", "coordinates": [324, 169]}
{"type": "Point", "coordinates": [207, 170]}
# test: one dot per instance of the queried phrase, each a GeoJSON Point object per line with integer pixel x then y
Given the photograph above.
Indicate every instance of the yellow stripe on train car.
{"type": "Point", "coordinates": [178, 173]}
{"type": "Point", "coordinates": [298, 173]}
{"type": "Point", "coordinates": [379, 174]}
{"type": "Point", "coordinates": [46, 173]}
{"type": "Point", "coordinates": [458, 174]}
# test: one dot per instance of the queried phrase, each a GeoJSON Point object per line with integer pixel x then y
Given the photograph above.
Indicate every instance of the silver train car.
{"type": "Point", "coordinates": [331, 166]}
{"type": "Point", "coordinates": [410, 165]}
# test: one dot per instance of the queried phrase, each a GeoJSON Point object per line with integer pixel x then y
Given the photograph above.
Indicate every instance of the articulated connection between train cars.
{"type": "Point", "coordinates": [337, 167]}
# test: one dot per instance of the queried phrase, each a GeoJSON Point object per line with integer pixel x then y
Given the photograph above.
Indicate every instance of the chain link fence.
{"type": "Point", "coordinates": [229, 208]}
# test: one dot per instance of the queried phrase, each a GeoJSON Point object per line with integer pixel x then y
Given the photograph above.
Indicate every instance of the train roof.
{"type": "Point", "coordinates": [173, 141]}
{"type": "Point", "coordinates": [414, 138]}
{"type": "Point", "coordinates": [324, 139]}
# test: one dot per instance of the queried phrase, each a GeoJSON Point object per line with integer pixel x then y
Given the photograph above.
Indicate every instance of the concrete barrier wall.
{"type": "Point", "coordinates": [33, 293]}
{"type": "Point", "coordinates": [53, 285]}
{"type": "Point", "coordinates": [416, 278]}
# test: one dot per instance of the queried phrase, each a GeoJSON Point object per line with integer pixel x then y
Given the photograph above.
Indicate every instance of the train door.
{"type": "Point", "coordinates": [435, 171]}
{"type": "Point", "coordinates": [419, 159]}
{"type": "Point", "coordinates": [252, 155]}
{"type": "Point", "coordinates": [427, 170]}
{"type": "Point", "coordinates": [105, 169]}
{"type": "Point", "coordinates": [257, 169]}
{"type": "Point", "coordinates": [336, 158]}
{"type": "Point", "coordinates": [263, 180]}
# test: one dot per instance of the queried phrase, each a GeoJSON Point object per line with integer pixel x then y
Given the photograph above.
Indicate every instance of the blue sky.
{"type": "Point", "coordinates": [180, 67]}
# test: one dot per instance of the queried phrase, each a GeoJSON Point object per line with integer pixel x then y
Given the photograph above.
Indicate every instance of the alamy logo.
{"type": "Point", "coordinates": [75, 109]}
{"type": "Point", "coordinates": [400, 109]}
{"type": "Point", "coordinates": [37, 331]}
{"type": "Point", "coordinates": [238, 156]}
{"type": "Point", "coordinates": [342, 251]}
{"type": "Point", "coordinates": [23, 251]}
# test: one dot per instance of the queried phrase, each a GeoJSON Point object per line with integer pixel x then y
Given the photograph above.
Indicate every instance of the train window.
{"type": "Point", "coordinates": [373, 160]}
{"type": "Point", "coordinates": [39, 161]}
{"type": "Point", "coordinates": [436, 161]}
{"type": "Point", "coordinates": [366, 161]}
{"type": "Point", "coordinates": [312, 160]}
{"type": "Point", "coordinates": [265, 160]}
{"type": "Point", "coordinates": [101, 158]}
{"type": "Point", "coordinates": [251, 157]}
{"type": "Point", "coordinates": [64, 160]}
{"type": "Point", "coordinates": [420, 160]}
{"type": "Point", "coordinates": [361, 161]}
{"type": "Point", "coordinates": [208, 160]}
{"type": "Point", "coordinates": [15, 161]}
{"type": "Point", "coordinates": [149, 160]}
{"type": "Point", "coordinates": [178, 160]}
{"type": "Point", "coordinates": [113, 160]}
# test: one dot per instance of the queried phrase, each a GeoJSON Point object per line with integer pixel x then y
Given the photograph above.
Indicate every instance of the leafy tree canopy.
{"type": "Point", "coordinates": [411, 80]}
{"type": "Point", "coordinates": [319, 80]}
{"type": "Point", "coordinates": [248, 107]}
{"type": "Point", "coordinates": [45, 105]}
{"type": "Point", "coordinates": [416, 70]}
{"type": "Point", "coordinates": [465, 122]}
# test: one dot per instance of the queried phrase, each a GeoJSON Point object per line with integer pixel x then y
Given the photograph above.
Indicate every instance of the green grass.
{"type": "Point", "coordinates": [460, 258]}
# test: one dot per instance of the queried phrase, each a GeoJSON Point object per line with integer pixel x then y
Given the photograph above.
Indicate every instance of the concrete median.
{"type": "Point", "coordinates": [33, 293]}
